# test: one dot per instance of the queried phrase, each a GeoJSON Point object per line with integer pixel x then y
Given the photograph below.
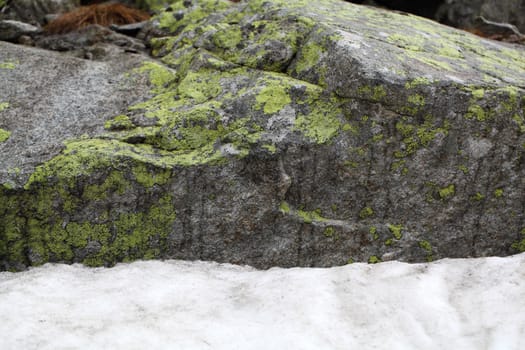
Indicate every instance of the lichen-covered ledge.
{"type": "Point", "coordinates": [285, 133]}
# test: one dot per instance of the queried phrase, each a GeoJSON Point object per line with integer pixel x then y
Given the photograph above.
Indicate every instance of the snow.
{"type": "Point", "coordinates": [449, 304]}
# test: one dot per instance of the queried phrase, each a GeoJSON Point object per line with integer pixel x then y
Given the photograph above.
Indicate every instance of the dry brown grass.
{"type": "Point", "coordinates": [101, 14]}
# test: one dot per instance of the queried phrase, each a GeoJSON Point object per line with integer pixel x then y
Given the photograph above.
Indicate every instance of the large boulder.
{"type": "Point", "coordinates": [288, 133]}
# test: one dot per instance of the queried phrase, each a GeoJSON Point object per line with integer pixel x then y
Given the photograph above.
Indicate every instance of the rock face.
{"type": "Point", "coordinates": [463, 13]}
{"type": "Point", "coordinates": [288, 133]}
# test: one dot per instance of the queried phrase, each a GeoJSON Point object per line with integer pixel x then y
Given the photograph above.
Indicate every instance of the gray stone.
{"type": "Point", "coordinates": [35, 11]}
{"type": "Point", "coordinates": [13, 30]}
{"type": "Point", "coordinates": [287, 133]}
{"type": "Point", "coordinates": [464, 13]}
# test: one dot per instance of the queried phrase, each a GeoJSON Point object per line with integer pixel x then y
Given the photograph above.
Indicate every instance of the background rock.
{"type": "Point", "coordinates": [274, 133]}
{"type": "Point", "coordinates": [35, 11]}
{"type": "Point", "coordinates": [463, 13]}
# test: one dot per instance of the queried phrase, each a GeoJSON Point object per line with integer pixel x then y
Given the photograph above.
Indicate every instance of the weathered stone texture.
{"type": "Point", "coordinates": [288, 133]}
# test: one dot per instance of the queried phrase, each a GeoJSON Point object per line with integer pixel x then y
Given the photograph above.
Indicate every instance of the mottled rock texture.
{"type": "Point", "coordinates": [463, 13]}
{"type": "Point", "coordinates": [290, 133]}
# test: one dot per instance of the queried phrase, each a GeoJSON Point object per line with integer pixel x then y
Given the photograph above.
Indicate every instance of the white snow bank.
{"type": "Point", "coordinates": [450, 304]}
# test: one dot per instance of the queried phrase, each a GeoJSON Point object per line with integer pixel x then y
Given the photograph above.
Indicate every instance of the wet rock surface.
{"type": "Point", "coordinates": [265, 133]}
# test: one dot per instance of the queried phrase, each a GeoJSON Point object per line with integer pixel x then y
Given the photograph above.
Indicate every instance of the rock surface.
{"type": "Point", "coordinates": [288, 133]}
{"type": "Point", "coordinates": [463, 13]}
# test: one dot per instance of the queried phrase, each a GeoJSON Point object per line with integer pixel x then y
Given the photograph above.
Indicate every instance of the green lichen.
{"type": "Point", "coordinates": [373, 232]}
{"type": "Point", "coordinates": [114, 183]}
{"type": "Point", "coordinates": [309, 56]}
{"type": "Point", "coordinates": [270, 147]}
{"type": "Point", "coordinates": [311, 216]}
{"type": "Point", "coordinates": [373, 260]}
{"type": "Point", "coordinates": [417, 136]}
{"type": "Point", "coordinates": [4, 135]}
{"type": "Point", "coordinates": [3, 106]}
{"type": "Point", "coordinates": [425, 245]}
{"type": "Point", "coordinates": [284, 208]}
{"type": "Point", "coordinates": [321, 123]}
{"type": "Point", "coordinates": [375, 93]}
{"type": "Point", "coordinates": [498, 193]}
{"type": "Point", "coordinates": [476, 112]}
{"type": "Point", "coordinates": [478, 93]}
{"type": "Point", "coordinates": [329, 232]}
{"type": "Point", "coordinates": [421, 81]}
{"type": "Point", "coordinates": [227, 36]}
{"type": "Point", "coordinates": [8, 64]}
{"type": "Point", "coordinates": [272, 98]}
{"type": "Point", "coordinates": [447, 192]}
{"type": "Point", "coordinates": [395, 230]}
{"type": "Point", "coordinates": [478, 197]}
{"type": "Point", "coordinates": [191, 17]}
{"type": "Point", "coordinates": [520, 122]}
{"type": "Point", "coordinates": [120, 122]}
{"type": "Point", "coordinates": [160, 76]}
{"type": "Point", "coordinates": [520, 244]}
{"type": "Point", "coordinates": [366, 212]}
{"type": "Point", "coordinates": [463, 168]}
{"type": "Point", "coordinates": [150, 177]}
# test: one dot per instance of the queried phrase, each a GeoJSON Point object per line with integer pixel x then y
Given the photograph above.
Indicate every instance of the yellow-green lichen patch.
{"type": "Point", "coordinates": [83, 157]}
{"type": "Point", "coordinates": [373, 232]}
{"type": "Point", "coordinates": [414, 104]}
{"type": "Point", "coordinates": [4, 135]}
{"type": "Point", "coordinates": [395, 230]}
{"type": "Point", "coordinates": [129, 236]}
{"type": "Point", "coordinates": [329, 232]}
{"type": "Point", "coordinates": [3, 106]}
{"type": "Point", "coordinates": [319, 125]}
{"type": "Point", "coordinates": [498, 192]}
{"type": "Point", "coordinates": [366, 212]}
{"type": "Point", "coordinates": [476, 112]}
{"type": "Point", "coordinates": [159, 75]}
{"type": "Point", "coordinates": [273, 97]}
{"type": "Point", "coordinates": [9, 64]}
{"type": "Point", "coordinates": [520, 244]}
{"type": "Point", "coordinates": [120, 122]}
{"type": "Point", "coordinates": [255, 45]}
{"type": "Point", "coordinates": [373, 259]}
{"type": "Point", "coordinates": [150, 177]}
{"type": "Point", "coordinates": [478, 197]}
{"type": "Point", "coordinates": [189, 17]}
{"type": "Point", "coordinates": [375, 93]}
{"type": "Point", "coordinates": [414, 43]}
{"type": "Point", "coordinates": [115, 182]}
{"type": "Point", "coordinates": [309, 56]}
{"type": "Point", "coordinates": [520, 122]}
{"type": "Point", "coordinates": [421, 81]}
{"type": "Point", "coordinates": [284, 208]}
{"type": "Point", "coordinates": [447, 192]}
{"type": "Point", "coordinates": [226, 36]}
{"type": "Point", "coordinates": [270, 147]}
{"type": "Point", "coordinates": [416, 136]}
{"type": "Point", "coordinates": [311, 216]}
{"type": "Point", "coordinates": [463, 168]}
{"type": "Point", "coordinates": [200, 87]}
{"type": "Point", "coordinates": [427, 247]}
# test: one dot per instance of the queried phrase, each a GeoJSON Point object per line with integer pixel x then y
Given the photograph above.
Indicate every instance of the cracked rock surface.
{"type": "Point", "coordinates": [269, 133]}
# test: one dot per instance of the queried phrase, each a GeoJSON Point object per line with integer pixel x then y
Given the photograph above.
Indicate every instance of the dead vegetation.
{"type": "Point", "coordinates": [101, 14]}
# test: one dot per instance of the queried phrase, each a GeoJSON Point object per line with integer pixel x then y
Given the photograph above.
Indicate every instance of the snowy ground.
{"type": "Point", "coordinates": [450, 304]}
